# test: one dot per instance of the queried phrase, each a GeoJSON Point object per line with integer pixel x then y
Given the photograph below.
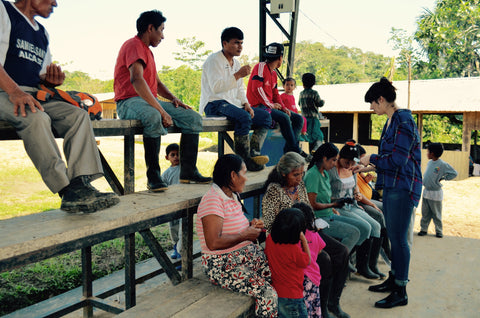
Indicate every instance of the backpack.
{"type": "Point", "coordinates": [85, 101]}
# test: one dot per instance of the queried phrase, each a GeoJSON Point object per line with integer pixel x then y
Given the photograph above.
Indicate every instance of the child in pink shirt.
{"type": "Point", "coordinates": [312, 277]}
{"type": "Point", "coordinates": [288, 100]}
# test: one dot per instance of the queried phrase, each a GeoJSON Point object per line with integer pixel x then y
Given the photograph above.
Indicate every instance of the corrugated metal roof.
{"type": "Point", "coordinates": [451, 95]}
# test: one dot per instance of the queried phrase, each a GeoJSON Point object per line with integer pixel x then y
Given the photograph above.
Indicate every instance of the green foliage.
{"type": "Point", "coordinates": [193, 52]}
{"type": "Point", "coordinates": [450, 38]}
{"type": "Point", "coordinates": [338, 65]}
{"type": "Point", "coordinates": [442, 128]}
{"type": "Point", "coordinates": [183, 82]}
{"type": "Point", "coordinates": [82, 82]}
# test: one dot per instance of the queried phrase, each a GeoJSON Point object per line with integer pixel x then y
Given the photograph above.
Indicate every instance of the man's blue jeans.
{"type": "Point", "coordinates": [397, 209]}
{"type": "Point", "coordinates": [239, 116]}
{"type": "Point", "coordinates": [290, 127]}
{"type": "Point", "coordinates": [290, 307]}
{"type": "Point", "coordinates": [188, 120]}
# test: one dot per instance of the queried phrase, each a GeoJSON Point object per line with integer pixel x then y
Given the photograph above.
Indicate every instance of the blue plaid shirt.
{"type": "Point", "coordinates": [398, 161]}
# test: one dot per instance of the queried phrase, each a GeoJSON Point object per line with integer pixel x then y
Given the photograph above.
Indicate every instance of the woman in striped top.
{"type": "Point", "coordinates": [230, 257]}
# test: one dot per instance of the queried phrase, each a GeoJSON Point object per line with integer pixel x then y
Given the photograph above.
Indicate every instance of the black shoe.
{"type": "Point", "coordinates": [422, 233]}
{"type": "Point", "coordinates": [337, 311]}
{"type": "Point", "coordinates": [439, 235]}
{"type": "Point", "coordinates": [196, 177]}
{"type": "Point", "coordinates": [307, 156]}
{"type": "Point", "coordinates": [398, 297]}
{"type": "Point", "coordinates": [387, 286]}
{"type": "Point", "coordinates": [158, 186]}
{"type": "Point", "coordinates": [80, 196]}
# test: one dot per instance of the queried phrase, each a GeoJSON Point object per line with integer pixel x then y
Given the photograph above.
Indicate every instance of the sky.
{"type": "Point", "coordinates": [86, 35]}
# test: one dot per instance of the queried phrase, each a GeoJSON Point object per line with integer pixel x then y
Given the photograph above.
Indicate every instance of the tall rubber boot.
{"type": "Point", "coordinates": [256, 143]}
{"type": "Point", "coordinates": [386, 243]}
{"type": "Point", "coordinates": [398, 297]}
{"type": "Point", "coordinates": [338, 283]}
{"type": "Point", "coordinates": [374, 253]}
{"type": "Point", "coordinates": [363, 257]}
{"type": "Point", "coordinates": [325, 287]}
{"type": "Point", "coordinates": [152, 150]}
{"type": "Point", "coordinates": [242, 148]}
{"type": "Point", "coordinates": [188, 160]}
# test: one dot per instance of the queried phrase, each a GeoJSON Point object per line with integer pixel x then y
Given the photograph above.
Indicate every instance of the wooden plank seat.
{"type": "Point", "coordinates": [196, 297]}
{"type": "Point", "coordinates": [32, 238]}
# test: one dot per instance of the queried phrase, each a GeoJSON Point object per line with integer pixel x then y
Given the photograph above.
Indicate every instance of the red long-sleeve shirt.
{"type": "Point", "coordinates": [262, 86]}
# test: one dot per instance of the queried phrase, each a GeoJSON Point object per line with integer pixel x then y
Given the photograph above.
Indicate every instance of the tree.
{"type": "Point", "coordinates": [193, 52]}
{"type": "Point", "coordinates": [450, 38]}
{"type": "Point", "coordinates": [183, 82]}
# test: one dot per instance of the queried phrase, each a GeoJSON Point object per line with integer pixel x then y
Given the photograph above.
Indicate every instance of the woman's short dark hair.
{"type": "Point", "coordinates": [231, 33]}
{"type": "Point", "coordinates": [308, 80]}
{"type": "Point", "coordinates": [383, 88]}
{"type": "Point", "coordinates": [349, 150]}
{"type": "Point", "coordinates": [327, 150]}
{"type": "Point", "coordinates": [287, 226]}
{"type": "Point", "coordinates": [307, 214]}
{"type": "Point", "coordinates": [154, 17]}
{"type": "Point", "coordinates": [222, 172]}
{"type": "Point", "coordinates": [287, 163]}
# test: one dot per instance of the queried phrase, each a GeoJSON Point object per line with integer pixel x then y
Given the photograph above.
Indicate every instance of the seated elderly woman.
{"type": "Point", "coordinates": [230, 257]}
{"type": "Point", "coordinates": [284, 188]}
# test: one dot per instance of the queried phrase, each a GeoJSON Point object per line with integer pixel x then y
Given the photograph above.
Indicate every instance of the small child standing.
{"type": "Point", "coordinates": [289, 85]}
{"type": "Point", "coordinates": [310, 101]}
{"type": "Point", "coordinates": [312, 277]}
{"type": "Point", "coordinates": [172, 176]}
{"type": "Point", "coordinates": [437, 170]}
{"type": "Point", "coordinates": [287, 261]}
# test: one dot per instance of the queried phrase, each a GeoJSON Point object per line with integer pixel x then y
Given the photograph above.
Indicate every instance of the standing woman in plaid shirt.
{"type": "Point", "coordinates": [398, 167]}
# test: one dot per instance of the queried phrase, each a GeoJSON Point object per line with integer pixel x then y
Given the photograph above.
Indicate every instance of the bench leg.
{"type": "Point", "coordinates": [130, 284]}
{"type": "Point", "coordinates": [187, 244]}
{"type": "Point", "coordinates": [129, 164]}
{"type": "Point", "coordinates": [87, 280]}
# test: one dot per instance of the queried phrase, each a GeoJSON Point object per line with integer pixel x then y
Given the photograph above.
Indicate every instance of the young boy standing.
{"type": "Point", "coordinates": [437, 170]}
{"type": "Point", "coordinates": [310, 101]}
{"type": "Point", "coordinates": [172, 176]}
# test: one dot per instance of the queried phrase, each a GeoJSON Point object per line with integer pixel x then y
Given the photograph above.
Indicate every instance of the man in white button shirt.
{"type": "Point", "coordinates": [223, 94]}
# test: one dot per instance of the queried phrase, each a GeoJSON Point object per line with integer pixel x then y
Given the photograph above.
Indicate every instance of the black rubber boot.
{"type": "Point", "coordinates": [363, 256]}
{"type": "Point", "coordinates": [242, 148]}
{"type": "Point", "coordinates": [398, 297]}
{"type": "Point", "coordinates": [338, 283]}
{"type": "Point", "coordinates": [387, 286]}
{"type": "Point", "coordinates": [188, 160]}
{"type": "Point", "coordinates": [325, 289]}
{"type": "Point", "coordinates": [386, 243]}
{"type": "Point", "coordinates": [256, 143]}
{"type": "Point", "coordinates": [152, 151]}
{"type": "Point", "coordinates": [80, 196]}
{"type": "Point", "coordinates": [374, 253]}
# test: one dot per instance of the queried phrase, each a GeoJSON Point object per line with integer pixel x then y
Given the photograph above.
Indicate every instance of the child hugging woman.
{"type": "Point", "coordinates": [287, 261]}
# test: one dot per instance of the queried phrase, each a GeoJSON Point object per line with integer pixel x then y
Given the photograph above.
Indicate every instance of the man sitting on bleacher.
{"type": "Point", "coordinates": [223, 94]}
{"type": "Point", "coordinates": [25, 62]}
{"type": "Point", "coordinates": [136, 85]}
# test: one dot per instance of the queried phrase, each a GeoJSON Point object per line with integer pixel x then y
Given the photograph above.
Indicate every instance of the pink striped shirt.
{"type": "Point", "coordinates": [216, 202]}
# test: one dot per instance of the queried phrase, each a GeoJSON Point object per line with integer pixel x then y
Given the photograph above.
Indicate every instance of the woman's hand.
{"type": "Point", "coordinates": [251, 233]}
{"type": "Point", "coordinates": [257, 223]}
{"type": "Point", "coordinates": [335, 211]}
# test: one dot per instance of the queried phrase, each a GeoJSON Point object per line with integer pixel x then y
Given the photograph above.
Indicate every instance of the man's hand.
{"type": "Point", "coordinates": [286, 111]}
{"type": "Point", "coordinates": [177, 102]}
{"type": "Point", "coordinates": [54, 76]}
{"type": "Point", "coordinates": [277, 106]}
{"type": "Point", "coordinates": [249, 110]}
{"type": "Point", "coordinates": [243, 71]}
{"type": "Point", "coordinates": [20, 99]}
{"type": "Point", "coordinates": [166, 119]}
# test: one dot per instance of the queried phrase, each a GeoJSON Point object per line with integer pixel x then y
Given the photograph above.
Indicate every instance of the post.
{"type": "Point", "coordinates": [87, 280]}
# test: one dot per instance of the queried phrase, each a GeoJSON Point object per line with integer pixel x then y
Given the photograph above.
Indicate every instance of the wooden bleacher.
{"type": "Point", "coordinates": [35, 237]}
